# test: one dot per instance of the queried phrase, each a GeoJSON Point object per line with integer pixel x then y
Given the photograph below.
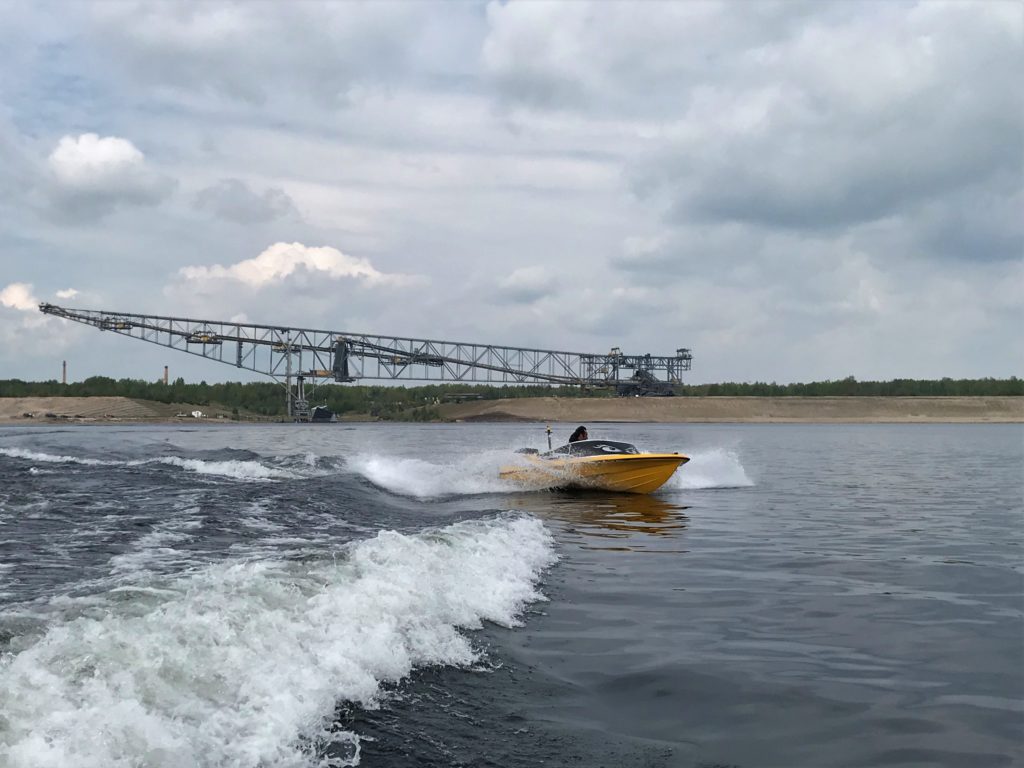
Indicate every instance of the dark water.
{"type": "Point", "coordinates": [374, 595]}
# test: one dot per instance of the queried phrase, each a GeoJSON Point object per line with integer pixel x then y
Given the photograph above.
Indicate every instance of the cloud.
{"type": "Point", "coordinates": [973, 224]}
{"type": "Point", "coordinates": [19, 173]}
{"type": "Point", "coordinates": [19, 296]}
{"type": "Point", "coordinates": [91, 176]}
{"type": "Point", "coordinates": [527, 285]}
{"type": "Point", "coordinates": [795, 189]}
{"type": "Point", "coordinates": [67, 293]}
{"type": "Point", "coordinates": [300, 285]}
{"type": "Point", "coordinates": [282, 261]}
{"type": "Point", "coordinates": [800, 116]}
{"type": "Point", "coordinates": [232, 199]}
{"type": "Point", "coordinates": [613, 58]}
{"type": "Point", "coordinates": [259, 53]}
{"type": "Point", "coordinates": [851, 121]}
{"type": "Point", "coordinates": [26, 334]}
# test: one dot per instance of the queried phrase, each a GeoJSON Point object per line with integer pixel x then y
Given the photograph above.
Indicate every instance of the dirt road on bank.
{"type": "Point", "coordinates": [15, 410]}
{"type": "Point", "coordinates": [29, 410]}
{"type": "Point", "coordinates": [744, 409]}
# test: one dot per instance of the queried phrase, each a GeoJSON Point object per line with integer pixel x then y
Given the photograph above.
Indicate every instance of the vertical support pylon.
{"type": "Point", "coordinates": [288, 377]}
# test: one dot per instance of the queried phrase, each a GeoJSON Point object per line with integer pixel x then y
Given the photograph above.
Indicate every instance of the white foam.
{"type": "Point", "coordinates": [478, 474]}
{"type": "Point", "coordinates": [153, 547]}
{"type": "Point", "coordinates": [236, 469]}
{"type": "Point", "coordinates": [717, 468]}
{"type": "Point", "coordinates": [257, 515]}
{"type": "Point", "coordinates": [48, 458]}
{"type": "Point", "coordinates": [243, 664]}
{"type": "Point", "coordinates": [470, 475]}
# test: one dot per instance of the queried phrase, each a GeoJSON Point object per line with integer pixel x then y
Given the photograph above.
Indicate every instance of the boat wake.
{"type": "Point", "coordinates": [478, 474]}
{"type": "Point", "coordinates": [244, 663]}
{"type": "Point", "coordinates": [716, 468]}
{"type": "Point", "coordinates": [471, 476]}
{"type": "Point", "coordinates": [49, 458]}
{"type": "Point", "coordinates": [249, 469]}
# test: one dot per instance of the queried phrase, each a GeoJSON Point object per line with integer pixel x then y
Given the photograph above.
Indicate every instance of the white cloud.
{"type": "Point", "coordinates": [19, 296]}
{"type": "Point", "coordinates": [67, 293]}
{"type": "Point", "coordinates": [25, 332]}
{"type": "Point", "coordinates": [283, 260]}
{"type": "Point", "coordinates": [306, 286]}
{"type": "Point", "coordinates": [89, 160]}
{"type": "Point", "coordinates": [93, 175]}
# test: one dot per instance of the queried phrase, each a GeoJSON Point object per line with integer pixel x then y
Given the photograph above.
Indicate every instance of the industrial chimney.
{"type": "Point", "coordinates": [165, 375]}
{"type": "Point", "coordinates": [64, 373]}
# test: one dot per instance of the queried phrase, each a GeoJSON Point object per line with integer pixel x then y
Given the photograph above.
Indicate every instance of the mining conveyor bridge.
{"type": "Point", "coordinates": [290, 354]}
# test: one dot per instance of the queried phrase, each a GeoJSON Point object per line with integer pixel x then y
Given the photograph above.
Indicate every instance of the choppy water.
{"type": "Point", "coordinates": [335, 595]}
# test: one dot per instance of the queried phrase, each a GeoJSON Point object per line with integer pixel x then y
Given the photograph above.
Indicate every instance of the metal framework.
{"type": "Point", "coordinates": [284, 353]}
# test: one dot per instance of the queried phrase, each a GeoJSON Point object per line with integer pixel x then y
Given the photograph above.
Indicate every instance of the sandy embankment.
{"type": "Point", "coordinates": [13, 410]}
{"type": "Point", "coordinates": [744, 409]}
{"type": "Point", "coordinates": [583, 410]}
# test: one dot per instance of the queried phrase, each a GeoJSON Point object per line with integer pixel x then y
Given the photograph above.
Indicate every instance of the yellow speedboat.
{"type": "Point", "coordinates": [596, 464]}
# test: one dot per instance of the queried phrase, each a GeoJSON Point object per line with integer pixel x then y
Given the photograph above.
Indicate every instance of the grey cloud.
{"type": "Point", "coordinates": [690, 250]}
{"type": "Point", "coordinates": [805, 117]}
{"type": "Point", "coordinates": [527, 286]}
{"type": "Point", "coordinates": [18, 169]}
{"type": "Point", "coordinates": [257, 52]}
{"type": "Point", "coordinates": [933, 114]}
{"type": "Point", "coordinates": [616, 57]}
{"type": "Point", "coordinates": [79, 206]}
{"type": "Point", "coordinates": [232, 199]}
{"type": "Point", "coordinates": [522, 294]}
{"type": "Point", "coordinates": [974, 225]}
{"type": "Point", "coordinates": [798, 178]}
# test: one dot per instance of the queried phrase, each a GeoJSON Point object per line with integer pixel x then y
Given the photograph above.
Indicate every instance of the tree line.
{"type": "Point", "coordinates": [420, 403]}
{"type": "Point", "coordinates": [268, 398]}
{"type": "Point", "coordinates": [850, 387]}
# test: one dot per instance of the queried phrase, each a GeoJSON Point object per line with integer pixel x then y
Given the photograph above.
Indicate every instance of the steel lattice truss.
{"type": "Point", "coordinates": [284, 352]}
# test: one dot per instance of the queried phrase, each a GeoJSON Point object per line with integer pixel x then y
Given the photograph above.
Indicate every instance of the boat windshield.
{"type": "Point", "coordinates": [592, 448]}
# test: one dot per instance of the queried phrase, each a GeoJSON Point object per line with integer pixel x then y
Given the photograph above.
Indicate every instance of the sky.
{"type": "Point", "coordinates": [794, 190]}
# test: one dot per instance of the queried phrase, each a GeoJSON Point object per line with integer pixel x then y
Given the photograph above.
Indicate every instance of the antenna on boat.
{"type": "Point", "coordinates": [549, 437]}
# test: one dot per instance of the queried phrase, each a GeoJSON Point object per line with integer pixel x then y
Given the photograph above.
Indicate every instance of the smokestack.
{"type": "Point", "coordinates": [165, 375]}
{"type": "Point", "coordinates": [64, 373]}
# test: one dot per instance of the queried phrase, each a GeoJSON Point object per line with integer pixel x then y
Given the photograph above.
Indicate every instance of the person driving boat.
{"type": "Point", "coordinates": [579, 434]}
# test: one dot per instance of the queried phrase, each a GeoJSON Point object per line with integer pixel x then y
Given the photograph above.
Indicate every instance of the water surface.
{"type": "Point", "coordinates": [297, 595]}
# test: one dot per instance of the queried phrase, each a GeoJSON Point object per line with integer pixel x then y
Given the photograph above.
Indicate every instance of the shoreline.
{"type": "Point", "coordinates": [740, 410]}
{"type": "Point", "coordinates": [747, 410]}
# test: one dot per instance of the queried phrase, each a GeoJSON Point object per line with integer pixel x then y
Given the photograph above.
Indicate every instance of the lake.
{"type": "Point", "coordinates": [373, 594]}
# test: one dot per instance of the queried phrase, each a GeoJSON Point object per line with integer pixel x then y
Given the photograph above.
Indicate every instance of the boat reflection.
{"type": "Point", "coordinates": [634, 519]}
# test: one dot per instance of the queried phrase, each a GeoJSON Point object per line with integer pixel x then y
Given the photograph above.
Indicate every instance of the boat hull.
{"type": "Point", "coordinates": [632, 473]}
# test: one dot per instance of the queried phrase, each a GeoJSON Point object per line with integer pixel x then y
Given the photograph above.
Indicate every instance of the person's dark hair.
{"type": "Point", "coordinates": [579, 434]}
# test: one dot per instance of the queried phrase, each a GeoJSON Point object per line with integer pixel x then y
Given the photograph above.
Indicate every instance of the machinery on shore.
{"type": "Point", "coordinates": [295, 356]}
{"type": "Point", "coordinates": [644, 384]}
